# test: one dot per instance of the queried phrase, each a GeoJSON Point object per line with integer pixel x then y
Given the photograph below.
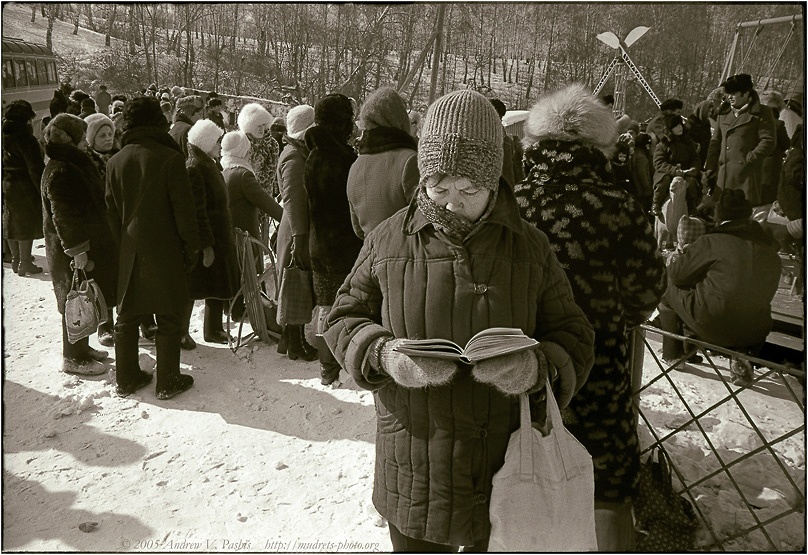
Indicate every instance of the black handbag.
{"type": "Point", "coordinates": [665, 521]}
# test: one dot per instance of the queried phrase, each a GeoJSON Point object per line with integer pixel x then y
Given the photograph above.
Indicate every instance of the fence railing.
{"type": "Point", "coordinates": [742, 468]}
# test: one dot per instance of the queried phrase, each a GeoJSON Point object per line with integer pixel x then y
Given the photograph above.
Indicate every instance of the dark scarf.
{"type": "Point", "coordinates": [748, 230]}
{"type": "Point", "coordinates": [297, 144]}
{"type": "Point", "coordinates": [138, 134]}
{"type": "Point", "coordinates": [560, 163]}
{"type": "Point", "coordinates": [447, 221]}
{"type": "Point", "coordinates": [382, 139]}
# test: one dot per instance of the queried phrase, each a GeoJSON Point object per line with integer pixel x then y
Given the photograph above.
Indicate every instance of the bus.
{"type": "Point", "coordinates": [29, 73]}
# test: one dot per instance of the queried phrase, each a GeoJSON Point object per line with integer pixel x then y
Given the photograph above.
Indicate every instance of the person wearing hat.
{"type": "Point", "coordinates": [457, 261]}
{"type": "Point", "coordinates": [656, 127]}
{"type": "Point", "coordinates": [601, 236]}
{"type": "Point", "coordinates": [385, 175]}
{"type": "Point", "coordinates": [103, 100]}
{"type": "Point", "coordinates": [151, 213]}
{"type": "Point", "coordinates": [675, 155]}
{"type": "Point", "coordinates": [792, 112]}
{"type": "Point", "coordinates": [76, 98]}
{"type": "Point", "coordinates": [773, 163]}
{"type": "Point", "coordinates": [278, 130]}
{"type": "Point", "coordinates": [333, 245]}
{"type": "Point", "coordinates": [213, 112]}
{"type": "Point", "coordinates": [722, 286]}
{"type": "Point", "coordinates": [742, 139]}
{"type": "Point", "coordinates": [293, 230]}
{"type": "Point", "coordinates": [87, 107]}
{"type": "Point", "coordinates": [76, 231]}
{"type": "Point", "coordinates": [188, 112]}
{"type": "Point", "coordinates": [22, 173]}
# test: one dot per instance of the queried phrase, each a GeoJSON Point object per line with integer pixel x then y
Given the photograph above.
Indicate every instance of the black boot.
{"type": "Point", "coordinates": [14, 247]}
{"type": "Point", "coordinates": [213, 331]}
{"type": "Point", "coordinates": [26, 264]}
{"type": "Point", "coordinates": [128, 375]}
{"type": "Point", "coordinates": [170, 381]}
{"type": "Point", "coordinates": [283, 342]}
{"type": "Point", "coordinates": [297, 346]}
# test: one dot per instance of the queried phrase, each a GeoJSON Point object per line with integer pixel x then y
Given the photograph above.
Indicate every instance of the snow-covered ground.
{"type": "Point", "coordinates": [258, 456]}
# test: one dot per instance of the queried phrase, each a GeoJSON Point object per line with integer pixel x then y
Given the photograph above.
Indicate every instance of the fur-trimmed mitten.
{"type": "Point", "coordinates": [409, 371]}
{"type": "Point", "coordinates": [560, 365]}
{"type": "Point", "coordinates": [513, 373]}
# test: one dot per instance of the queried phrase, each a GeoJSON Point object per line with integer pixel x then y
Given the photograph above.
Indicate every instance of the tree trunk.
{"type": "Point", "coordinates": [235, 28]}
{"type": "Point", "coordinates": [49, 33]}
{"type": "Point", "coordinates": [110, 24]}
{"type": "Point", "coordinates": [90, 22]}
{"type": "Point", "coordinates": [33, 13]}
{"type": "Point", "coordinates": [76, 21]}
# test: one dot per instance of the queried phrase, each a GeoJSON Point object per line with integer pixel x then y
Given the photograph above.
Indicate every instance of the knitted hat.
{"type": "Point", "coordinates": [251, 116]}
{"type": "Point", "coordinates": [732, 206]}
{"type": "Point", "coordinates": [335, 112]}
{"type": "Point", "coordinates": [65, 128]}
{"type": "Point", "coordinates": [384, 108]}
{"type": "Point", "coordinates": [117, 105]}
{"type": "Point", "coordinates": [772, 99]}
{"type": "Point", "coordinates": [740, 83]}
{"type": "Point", "coordinates": [204, 134]}
{"type": "Point", "coordinates": [572, 114]}
{"type": "Point", "coordinates": [95, 122]}
{"type": "Point", "coordinates": [690, 228]}
{"type": "Point", "coordinates": [298, 120]}
{"type": "Point", "coordinates": [20, 110]}
{"type": "Point", "coordinates": [189, 105]}
{"type": "Point", "coordinates": [461, 135]}
{"type": "Point", "coordinates": [235, 143]}
{"type": "Point", "coordinates": [143, 111]}
{"type": "Point", "coordinates": [176, 91]}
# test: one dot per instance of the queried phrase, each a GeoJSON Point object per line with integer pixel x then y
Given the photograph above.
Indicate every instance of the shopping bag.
{"type": "Point", "coordinates": [295, 301]}
{"type": "Point", "coordinates": [543, 497]}
{"type": "Point", "coordinates": [85, 307]}
{"type": "Point", "coordinates": [665, 520]}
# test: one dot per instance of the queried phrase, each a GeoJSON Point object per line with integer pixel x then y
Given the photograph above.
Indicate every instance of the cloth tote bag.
{"type": "Point", "coordinates": [543, 497]}
{"type": "Point", "coordinates": [85, 308]}
{"type": "Point", "coordinates": [294, 296]}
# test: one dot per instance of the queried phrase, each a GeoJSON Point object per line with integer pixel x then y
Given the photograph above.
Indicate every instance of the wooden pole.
{"type": "Point", "coordinates": [436, 53]}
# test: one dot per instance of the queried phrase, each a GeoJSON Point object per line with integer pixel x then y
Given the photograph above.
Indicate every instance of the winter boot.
{"type": "Point", "coordinates": [187, 342]}
{"type": "Point", "coordinates": [170, 381]}
{"type": "Point", "coordinates": [128, 375]}
{"type": "Point", "coordinates": [14, 247]}
{"type": "Point", "coordinates": [83, 367]}
{"type": "Point", "coordinates": [105, 333]}
{"type": "Point", "coordinates": [26, 266]}
{"type": "Point", "coordinates": [297, 346]}
{"type": "Point", "coordinates": [283, 342]}
{"type": "Point", "coordinates": [213, 330]}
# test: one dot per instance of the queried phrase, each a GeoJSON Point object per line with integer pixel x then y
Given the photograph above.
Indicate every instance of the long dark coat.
{"type": "Point", "coordinates": [739, 146]}
{"type": "Point", "coordinates": [603, 240]}
{"type": "Point", "coordinates": [247, 199]}
{"type": "Point", "coordinates": [22, 175]}
{"type": "Point", "coordinates": [75, 214]}
{"type": "Point", "coordinates": [437, 448]}
{"type": "Point", "coordinates": [150, 210]}
{"type": "Point", "coordinates": [295, 220]}
{"type": "Point", "coordinates": [179, 131]}
{"type": "Point", "coordinates": [333, 245]}
{"type": "Point", "coordinates": [221, 280]}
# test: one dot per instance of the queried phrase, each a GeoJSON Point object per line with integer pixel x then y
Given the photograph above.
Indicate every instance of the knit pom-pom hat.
{"type": "Point", "coordinates": [732, 206]}
{"type": "Point", "coordinates": [251, 116]}
{"type": "Point", "coordinates": [95, 122]}
{"type": "Point", "coordinates": [572, 114]}
{"type": "Point", "coordinates": [65, 128]}
{"type": "Point", "coordinates": [235, 144]}
{"type": "Point", "coordinates": [461, 135]}
{"type": "Point", "coordinates": [384, 108]}
{"type": "Point", "coordinates": [205, 134]}
{"type": "Point", "coordinates": [298, 120]}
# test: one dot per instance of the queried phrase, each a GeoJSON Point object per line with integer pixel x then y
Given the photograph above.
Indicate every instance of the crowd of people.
{"type": "Point", "coordinates": [418, 226]}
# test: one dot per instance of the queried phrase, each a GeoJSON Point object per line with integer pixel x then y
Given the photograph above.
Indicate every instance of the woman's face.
{"type": "Point", "coordinates": [103, 140]}
{"type": "Point", "coordinates": [82, 143]}
{"type": "Point", "coordinates": [677, 129]}
{"type": "Point", "coordinates": [458, 195]}
{"type": "Point", "coordinates": [260, 131]}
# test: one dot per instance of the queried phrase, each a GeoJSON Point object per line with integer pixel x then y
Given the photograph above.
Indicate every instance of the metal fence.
{"type": "Point", "coordinates": [742, 469]}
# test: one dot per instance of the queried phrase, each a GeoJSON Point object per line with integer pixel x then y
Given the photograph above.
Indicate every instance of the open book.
{"type": "Point", "coordinates": [489, 343]}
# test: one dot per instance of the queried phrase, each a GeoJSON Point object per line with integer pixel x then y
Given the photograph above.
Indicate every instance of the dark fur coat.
{"type": "Point", "coordinates": [22, 172]}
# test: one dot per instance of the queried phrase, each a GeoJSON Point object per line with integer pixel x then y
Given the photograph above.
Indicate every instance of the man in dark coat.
{"type": "Point", "coordinates": [154, 224]}
{"type": "Point", "coordinates": [189, 111]}
{"type": "Point", "coordinates": [743, 138]}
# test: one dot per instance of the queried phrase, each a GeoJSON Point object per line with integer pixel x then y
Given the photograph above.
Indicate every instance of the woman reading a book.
{"type": "Point", "coordinates": [457, 261]}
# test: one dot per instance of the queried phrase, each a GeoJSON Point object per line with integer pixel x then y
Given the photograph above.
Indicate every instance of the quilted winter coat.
{"type": "Point", "coordinates": [739, 146]}
{"type": "Point", "coordinates": [437, 448]}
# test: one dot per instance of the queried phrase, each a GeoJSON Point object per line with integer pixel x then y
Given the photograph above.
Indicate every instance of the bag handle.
{"type": "Point", "coordinates": [526, 433]}
{"type": "Point", "coordinates": [78, 277]}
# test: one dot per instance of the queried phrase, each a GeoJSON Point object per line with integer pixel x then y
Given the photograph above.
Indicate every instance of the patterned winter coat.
{"type": "Point", "coordinates": [22, 172]}
{"type": "Point", "coordinates": [264, 159]}
{"type": "Point", "coordinates": [437, 448]}
{"type": "Point", "coordinates": [605, 243]}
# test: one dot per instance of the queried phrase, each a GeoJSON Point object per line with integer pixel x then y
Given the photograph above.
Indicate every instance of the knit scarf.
{"type": "Point", "coordinates": [229, 162]}
{"type": "Point", "coordinates": [448, 222]}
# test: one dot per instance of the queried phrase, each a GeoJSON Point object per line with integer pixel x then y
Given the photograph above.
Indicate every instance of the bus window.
{"type": "Point", "coordinates": [19, 73]}
{"type": "Point", "coordinates": [42, 72]}
{"type": "Point", "coordinates": [8, 74]}
{"type": "Point", "coordinates": [52, 72]}
{"type": "Point", "coordinates": [31, 66]}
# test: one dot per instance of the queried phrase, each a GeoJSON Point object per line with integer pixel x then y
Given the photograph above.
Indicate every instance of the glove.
{"type": "Point", "coordinates": [300, 246]}
{"type": "Point", "coordinates": [657, 211]}
{"type": "Point", "coordinates": [409, 371]}
{"type": "Point", "coordinates": [560, 366]}
{"type": "Point", "coordinates": [207, 257]}
{"type": "Point", "coordinates": [82, 262]}
{"type": "Point", "coordinates": [513, 373]}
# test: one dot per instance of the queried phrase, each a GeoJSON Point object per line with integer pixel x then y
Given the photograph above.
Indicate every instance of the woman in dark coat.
{"type": "Point", "coordinates": [676, 155]}
{"type": "Point", "coordinates": [604, 241]}
{"type": "Point", "coordinates": [333, 245]}
{"type": "Point", "coordinates": [216, 279]}
{"type": "Point", "coordinates": [76, 230]}
{"type": "Point", "coordinates": [22, 173]}
{"type": "Point", "coordinates": [293, 231]}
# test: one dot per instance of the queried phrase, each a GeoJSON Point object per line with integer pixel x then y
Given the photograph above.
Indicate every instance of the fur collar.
{"type": "Point", "coordinates": [382, 139]}
{"type": "Point", "coordinates": [319, 137]}
{"type": "Point", "coordinates": [297, 144]}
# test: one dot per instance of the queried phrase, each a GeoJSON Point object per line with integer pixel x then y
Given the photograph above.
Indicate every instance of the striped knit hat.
{"type": "Point", "coordinates": [461, 135]}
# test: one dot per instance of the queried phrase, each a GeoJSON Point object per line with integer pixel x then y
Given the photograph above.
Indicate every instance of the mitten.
{"type": "Point", "coordinates": [409, 371]}
{"type": "Point", "coordinates": [560, 365]}
{"type": "Point", "coordinates": [207, 257]}
{"type": "Point", "coordinates": [513, 373]}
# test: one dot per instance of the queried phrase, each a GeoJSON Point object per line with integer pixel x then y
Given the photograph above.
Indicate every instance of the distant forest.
{"type": "Point", "coordinates": [516, 51]}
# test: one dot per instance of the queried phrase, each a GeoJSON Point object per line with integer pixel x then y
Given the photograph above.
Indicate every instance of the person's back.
{"type": "Point", "coordinates": [103, 100]}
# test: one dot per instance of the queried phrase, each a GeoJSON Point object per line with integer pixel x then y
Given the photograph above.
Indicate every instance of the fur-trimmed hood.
{"type": "Point", "coordinates": [572, 114]}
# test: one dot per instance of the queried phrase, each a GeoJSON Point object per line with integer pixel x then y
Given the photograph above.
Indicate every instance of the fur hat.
{"type": "Point", "coordinates": [143, 111]}
{"type": "Point", "coordinates": [214, 102]}
{"type": "Point", "coordinates": [20, 110]}
{"type": "Point", "coordinates": [78, 96]}
{"type": "Point", "coordinates": [189, 105]}
{"type": "Point", "coordinates": [251, 116]}
{"type": "Point", "coordinates": [671, 105]}
{"type": "Point", "coordinates": [772, 99]}
{"type": "Point", "coordinates": [499, 106]}
{"type": "Point", "coordinates": [572, 114]}
{"type": "Point", "coordinates": [384, 108]}
{"type": "Point", "coordinates": [732, 206]}
{"type": "Point", "coordinates": [461, 135]}
{"type": "Point", "coordinates": [204, 134]}
{"type": "Point", "coordinates": [116, 106]}
{"type": "Point", "coordinates": [235, 143]}
{"type": "Point", "coordinates": [740, 83]}
{"type": "Point", "coordinates": [298, 120]}
{"type": "Point", "coordinates": [672, 120]}
{"type": "Point", "coordinates": [95, 122]}
{"type": "Point", "coordinates": [64, 129]}
{"type": "Point", "coordinates": [335, 112]}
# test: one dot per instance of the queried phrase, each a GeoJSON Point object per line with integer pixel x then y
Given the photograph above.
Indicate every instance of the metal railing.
{"type": "Point", "coordinates": [709, 473]}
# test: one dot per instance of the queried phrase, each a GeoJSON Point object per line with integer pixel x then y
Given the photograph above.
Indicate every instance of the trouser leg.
{"type": "Point", "coordinates": [170, 329]}
{"type": "Point", "coordinates": [127, 365]}
{"type": "Point", "coordinates": [669, 321]}
{"type": "Point", "coordinates": [402, 543]}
